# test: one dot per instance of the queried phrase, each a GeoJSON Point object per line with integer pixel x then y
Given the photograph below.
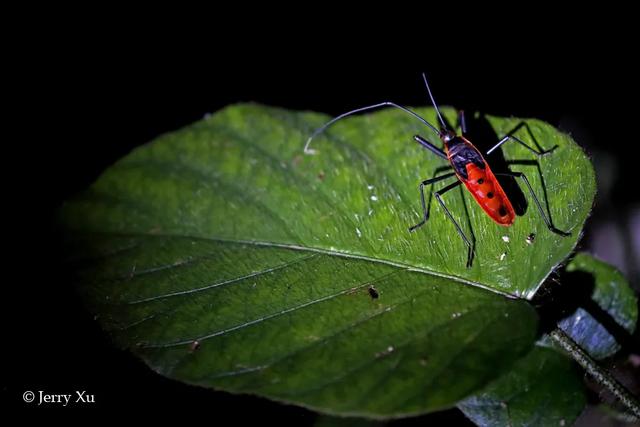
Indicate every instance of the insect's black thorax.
{"type": "Point", "coordinates": [461, 153]}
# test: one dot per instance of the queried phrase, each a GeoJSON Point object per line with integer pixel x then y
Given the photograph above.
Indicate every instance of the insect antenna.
{"type": "Point", "coordinates": [433, 101]}
{"type": "Point", "coordinates": [318, 131]}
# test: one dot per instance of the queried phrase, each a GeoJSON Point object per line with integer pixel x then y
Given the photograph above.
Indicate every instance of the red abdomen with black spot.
{"type": "Point", "coordinates": [476, 175]}
{"type": "Point", "coordinates": [486, 189]}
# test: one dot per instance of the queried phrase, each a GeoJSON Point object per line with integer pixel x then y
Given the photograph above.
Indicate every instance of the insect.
{"type": "Point", "coordinates": [469, 167]}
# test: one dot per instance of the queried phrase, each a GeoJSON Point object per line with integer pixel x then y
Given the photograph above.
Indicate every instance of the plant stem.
{"type": "Point", "coordinates": [601, 375]}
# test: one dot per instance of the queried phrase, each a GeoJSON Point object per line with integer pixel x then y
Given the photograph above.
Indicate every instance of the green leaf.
{"type": "Point", "coordinates": [225, 257]}
{"type": "Point", "coordinates": [543, 389]}
{"type": "Point", "coordinates": [607, 311]}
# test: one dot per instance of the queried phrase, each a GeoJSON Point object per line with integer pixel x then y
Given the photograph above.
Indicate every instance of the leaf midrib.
{"type": "Point", "coordinates": [296, 247]}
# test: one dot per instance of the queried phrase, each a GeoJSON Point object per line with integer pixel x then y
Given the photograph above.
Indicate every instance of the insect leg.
{"type": "Point", "coordinates": [470, 246]}
{"type": "Point", "coordinates": [510, 137]}
{"type": "Point", "coordinates": [429, 146]}
{"type": "Point", "coordinates": [547, 220]}
{"type": "Point", "coordinates": [424, 203]}
{"type": "Point", "coordinates": [462, 122]}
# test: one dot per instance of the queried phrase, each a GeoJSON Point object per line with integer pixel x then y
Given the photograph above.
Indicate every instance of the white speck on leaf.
{"type": "Point", "coordinates": [370, 187]}
{"type": "Point", "coordinates": [358, 232]}
{"type": "Point", "coordinates": [374, 198]}
{"type": "Point", "coordinates": [505, 239]}
{"type": "Point", "coordinates": [370, 212]}
{"type": "Point", "coordinates": [386, 352]}
{"type": "Point", "coordinates": [503, 256]}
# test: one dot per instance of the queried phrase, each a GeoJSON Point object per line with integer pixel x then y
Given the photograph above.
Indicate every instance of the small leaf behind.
{"type": "Point", "coordinates": [608, 316]}
{"type": "Point", "coordinates": [543, 389]}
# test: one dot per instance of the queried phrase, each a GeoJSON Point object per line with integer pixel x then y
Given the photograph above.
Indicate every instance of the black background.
{"type": "Point", "coordinates": [81, 109]}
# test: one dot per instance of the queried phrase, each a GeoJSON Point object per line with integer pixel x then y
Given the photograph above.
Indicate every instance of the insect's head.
{"type": "Point", "coordinates": [447, 135]}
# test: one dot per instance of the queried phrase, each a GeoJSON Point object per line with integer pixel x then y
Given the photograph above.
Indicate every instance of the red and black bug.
{"type": "Point", "coordinates": [469, 167]}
